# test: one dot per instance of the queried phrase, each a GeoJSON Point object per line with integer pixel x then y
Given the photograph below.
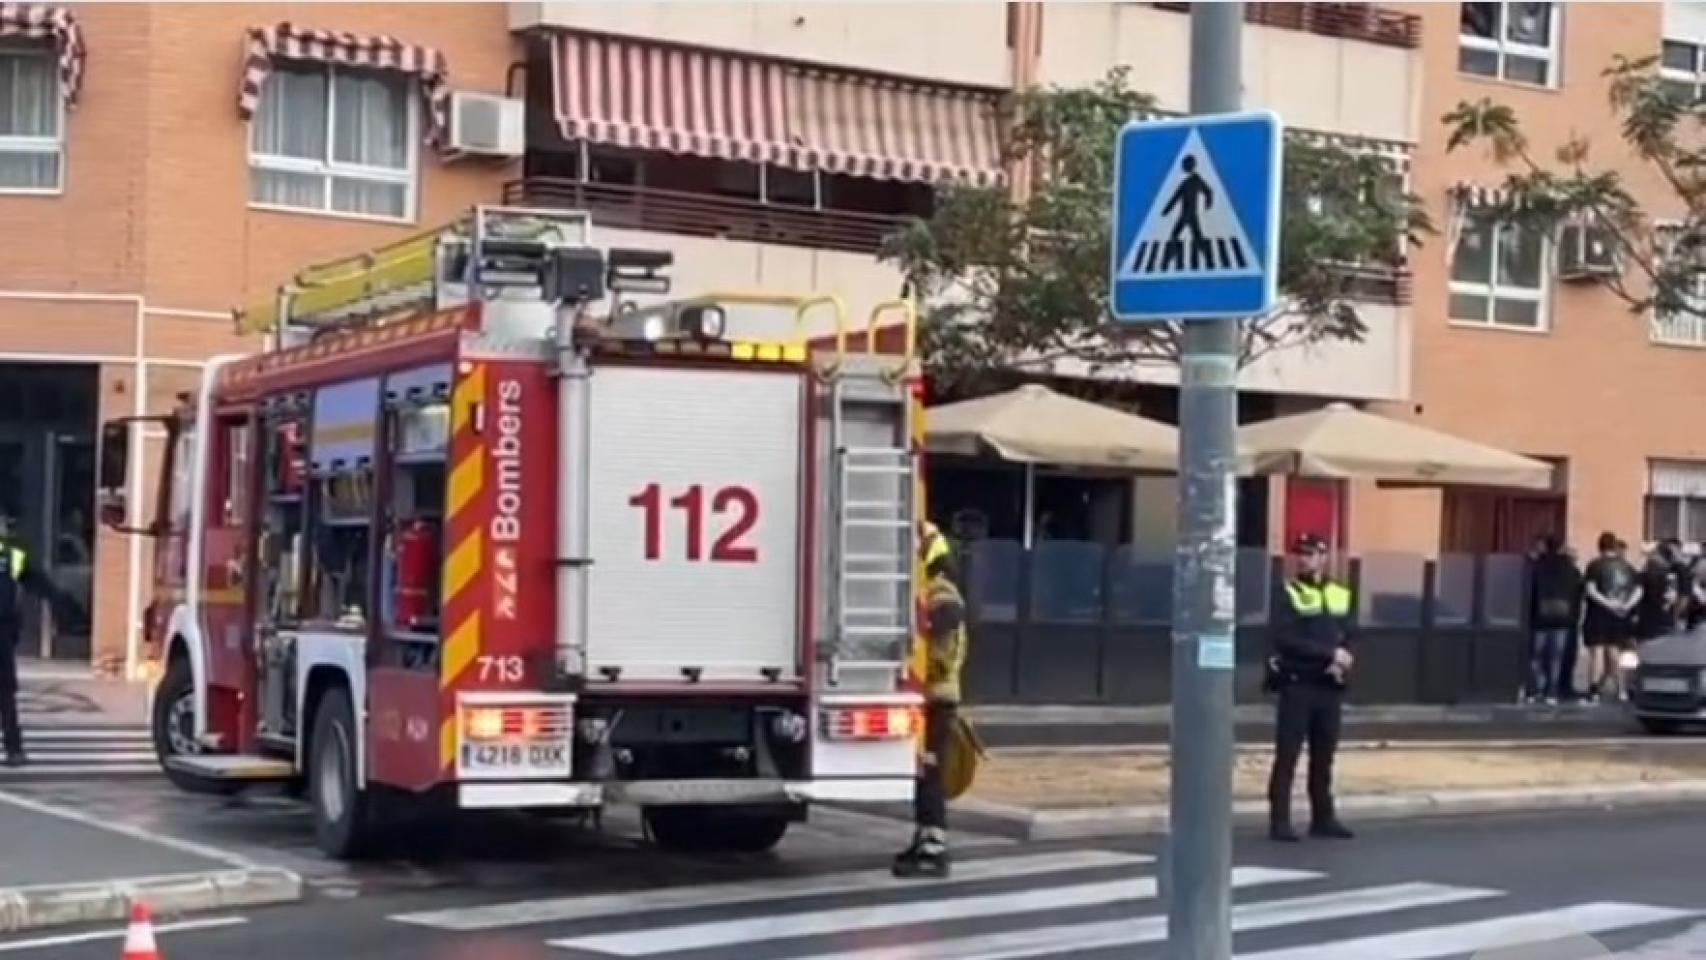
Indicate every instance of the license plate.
{"type": "Point", "coordinates": [1665, 685]}
{"type": "Point", "coordinates": [516, 757]}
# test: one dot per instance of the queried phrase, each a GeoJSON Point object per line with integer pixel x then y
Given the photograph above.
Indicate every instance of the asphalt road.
{"type": "Point", "coordinates": [506, 888]}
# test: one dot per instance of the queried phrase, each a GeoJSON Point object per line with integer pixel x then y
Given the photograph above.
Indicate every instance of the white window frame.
{"type": "Point", "coordinates": [1685, 329]}
{"type": "Point", "coordinates": [39, 145]}
{"type": "Point", "coordinates": [328, 168]}
{"type": "Point", "coordinates": [1694, 78]}
{"type": "Point", "coordinates": [1501, 47]}
{"type": "Point", "coordinates": [1686, 501]}
{"type": "Point", "coordinates": [1493, 291]}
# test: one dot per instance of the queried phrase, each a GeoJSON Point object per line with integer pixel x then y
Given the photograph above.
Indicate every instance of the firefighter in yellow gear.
{"type": "Point", "coordinates": [944, 656]}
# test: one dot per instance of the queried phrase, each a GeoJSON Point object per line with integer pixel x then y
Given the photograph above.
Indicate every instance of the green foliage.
{"type": "Point", "coordinates": [1005, 282]}
{"type": "Point", "coordinates": [1661, 127]}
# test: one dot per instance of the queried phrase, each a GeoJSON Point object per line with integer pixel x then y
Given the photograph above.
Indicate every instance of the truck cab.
{"type": "Point", "coordinates": [493, 522]}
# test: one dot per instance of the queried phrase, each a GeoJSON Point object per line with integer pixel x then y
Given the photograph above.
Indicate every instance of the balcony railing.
{"type": "Point", "coordinates": [1352, 21]}
{"type": "Point", "coordinates": [698, 215]}
{"type": "Point", "coordinates": [1376, 283]}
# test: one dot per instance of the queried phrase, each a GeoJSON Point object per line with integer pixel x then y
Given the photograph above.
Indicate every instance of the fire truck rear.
{"type": "Point", "coordinates": [491, 523]}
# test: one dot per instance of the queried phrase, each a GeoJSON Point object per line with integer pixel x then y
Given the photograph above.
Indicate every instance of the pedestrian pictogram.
{"type": "Point", "coordinates": [1196, 217]}
{"type": "Point", "coordinates": [1191, 229]}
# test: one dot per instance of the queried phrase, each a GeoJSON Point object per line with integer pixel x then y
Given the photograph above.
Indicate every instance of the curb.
{"type": "Point", "coordinates": [53, 905]}
{"type": "Point", "coordinates": [1094, 822]}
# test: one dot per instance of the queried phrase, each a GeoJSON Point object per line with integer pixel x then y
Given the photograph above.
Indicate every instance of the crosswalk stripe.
{"type": "Point", "coordinates": [1429, 943]}
{"type": "Point", "coordinates": [36, 735]}
{"type": "Point", "coordinates": [720, 933]}
{"type": "Point", "coordinates": [38, 770]}
{"type": "Point", "coordinates": [1066, 939]}
{"type": "Point", "coordinates": [562, 909]}
{"type": "Point", "coordinates": [90, 756]}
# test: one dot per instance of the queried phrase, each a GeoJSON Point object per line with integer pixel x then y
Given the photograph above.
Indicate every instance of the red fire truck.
{"type": "Point", "coordinates": [492, 523]}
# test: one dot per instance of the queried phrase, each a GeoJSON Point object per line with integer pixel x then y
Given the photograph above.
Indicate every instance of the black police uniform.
{"type": "Point", "coordinates": [16, 577]}
{"type": "Point", "coordinates": [1314, 624]}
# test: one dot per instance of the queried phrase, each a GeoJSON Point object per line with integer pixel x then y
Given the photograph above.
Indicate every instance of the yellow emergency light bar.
{"type": "Point", "coordinates": [753, 350]}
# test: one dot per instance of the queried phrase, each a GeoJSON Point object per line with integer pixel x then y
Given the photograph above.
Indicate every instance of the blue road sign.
{"type": "Point", "coordinates": [1196, 217]}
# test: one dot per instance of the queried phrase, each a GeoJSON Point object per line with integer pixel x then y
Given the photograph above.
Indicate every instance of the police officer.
{"type": "Point", "coordinates": [16, 576]}
{"type": "Point", "coordinates": [1311, 662]}
{"type": "Point", "coordinates": [945, 655]}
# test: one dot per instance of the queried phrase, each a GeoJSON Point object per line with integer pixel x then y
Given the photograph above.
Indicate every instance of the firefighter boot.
{"type": "Point", "coordinates": [927, 858]}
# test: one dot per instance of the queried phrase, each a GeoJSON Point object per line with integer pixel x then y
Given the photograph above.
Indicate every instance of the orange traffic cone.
{"type": "Point", "coordinates": [139, 939]}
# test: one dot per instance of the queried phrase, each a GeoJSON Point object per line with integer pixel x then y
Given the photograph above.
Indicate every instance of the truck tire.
{"type": "Point", "coordinates": [343, 825]}
{"type": "Point", "coordinates": [172, 726]}
{"type": "Point", "coordinates": [700, 829]}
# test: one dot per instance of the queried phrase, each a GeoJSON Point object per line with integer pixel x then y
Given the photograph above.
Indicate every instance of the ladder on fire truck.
{"type": "Point", "coordinates": [874, 490]}
{"type": "Point", "coordinates": [874, 510]}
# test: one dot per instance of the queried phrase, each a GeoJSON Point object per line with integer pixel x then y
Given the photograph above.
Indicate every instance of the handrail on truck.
{"type": "Point", "coordinates": [909, 332]}
{"type": "Point", "coordinates": [802, 306]}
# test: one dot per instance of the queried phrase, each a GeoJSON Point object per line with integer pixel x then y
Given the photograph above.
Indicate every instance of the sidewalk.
{"type": "Point", "coordinates": [1044, 726]}
{"type": "Point", "coordinates": [1049, 796]}
{"type": "Point", "coordinates": [61, 694]}
{"type": "Point", "coordinates": [60, 867]}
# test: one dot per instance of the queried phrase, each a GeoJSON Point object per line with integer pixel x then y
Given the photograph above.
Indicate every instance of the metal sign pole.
{"type": "Point", "coordinates": [1199, 909]}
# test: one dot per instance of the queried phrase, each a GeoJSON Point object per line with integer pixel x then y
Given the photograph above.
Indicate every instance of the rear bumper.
{"type": "Point", "coordinates": [495, 796]}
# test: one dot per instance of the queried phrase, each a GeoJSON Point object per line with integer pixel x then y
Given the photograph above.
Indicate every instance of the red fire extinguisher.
{"type": "Point", "coordinates": [417, 562]}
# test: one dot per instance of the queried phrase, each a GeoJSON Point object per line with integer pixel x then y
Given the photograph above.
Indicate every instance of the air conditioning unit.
{"type": "Point", "coordinates": [484, 125]}
{"type": "Point", "coordinates": [1586, 253]}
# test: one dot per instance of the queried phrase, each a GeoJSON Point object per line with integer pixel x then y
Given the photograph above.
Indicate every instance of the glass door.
{"type": "Point", "coordinates": [69, 541]}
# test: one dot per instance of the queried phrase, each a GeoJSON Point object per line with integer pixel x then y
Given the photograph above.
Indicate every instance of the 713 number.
{"type": "Point", "coordinates": [736, 506]}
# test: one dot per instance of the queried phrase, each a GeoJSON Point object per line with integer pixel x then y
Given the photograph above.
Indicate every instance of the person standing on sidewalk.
{"type": "Point", "coordinates": [1311, 663]}
{"type": "Point", "coordinates": [1555, 607]}
{"type": "Point", "coordinates": [944, 656]}
{"type": "Point", "coordinates": [17, 575]}
{"type": "Point", "coordinates": [1613, 590]}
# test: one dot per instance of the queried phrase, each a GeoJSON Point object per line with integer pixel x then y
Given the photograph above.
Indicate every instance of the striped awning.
{"type": "Point", "coordinates": [893, 129]}
{"type": "Point", "coordinates": [287, 41]}
{"type": "Point", "coordinates": [38, 21]}
{"type": "Point", "coordinates": [653, 96]}
{"type": "Point", "coordinates": [628, 93]}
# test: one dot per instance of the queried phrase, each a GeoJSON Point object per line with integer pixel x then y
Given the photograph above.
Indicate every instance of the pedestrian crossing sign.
{"type": "Point", "coordinates": [1196, 217]}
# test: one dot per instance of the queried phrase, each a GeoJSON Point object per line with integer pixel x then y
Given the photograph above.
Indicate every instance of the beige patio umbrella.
{"type": "Point", "coordinates": [1034, 424]}
{"type": "Point", "coordinates": [1342, 442]}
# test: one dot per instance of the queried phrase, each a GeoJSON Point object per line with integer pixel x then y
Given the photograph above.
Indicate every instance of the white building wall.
{"type": "Point", "coordinates": [952, 41]}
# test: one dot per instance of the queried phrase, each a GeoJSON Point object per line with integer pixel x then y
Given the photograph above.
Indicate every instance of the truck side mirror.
{"type": "Point", "coordinates": [114, 469]}
{"type": "Point", "coordinates": [112, 502]}
{"type": "Point", "coordinates": [114, 509]}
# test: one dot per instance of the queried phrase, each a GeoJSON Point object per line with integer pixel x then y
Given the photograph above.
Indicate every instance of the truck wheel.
{"type": "Point", "coordinates": [1660, 726]}
{"type": "Point", "coordinates": [718, 829]}
{"type": "Point", "coordinates": [342, 824]}
{"type": "Point", "coordinates": [172, 726]}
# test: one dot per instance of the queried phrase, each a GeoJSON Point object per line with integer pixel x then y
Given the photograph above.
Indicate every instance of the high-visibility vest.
{"type": "Point", "coordinates": [1311, 600]}
{"type": "Point", "coordinates": [12, 563]}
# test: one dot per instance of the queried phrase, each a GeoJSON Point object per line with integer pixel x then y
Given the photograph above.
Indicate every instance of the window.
{"type": "Point", "coordinates": [32, 145]}
{"type": "Point", "coordinates": [1681, 67]}
{"type": "Point", "coordinates": [334, 139]}
{"type": "Point", "coordinates": [1681, 321]}
{"type": "Point", "coordinates": [1499, 274]}
{"type": "Point", "coordinates": [1510, 41]}
{"type": "Point", "coordinates": [1676, 501]}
